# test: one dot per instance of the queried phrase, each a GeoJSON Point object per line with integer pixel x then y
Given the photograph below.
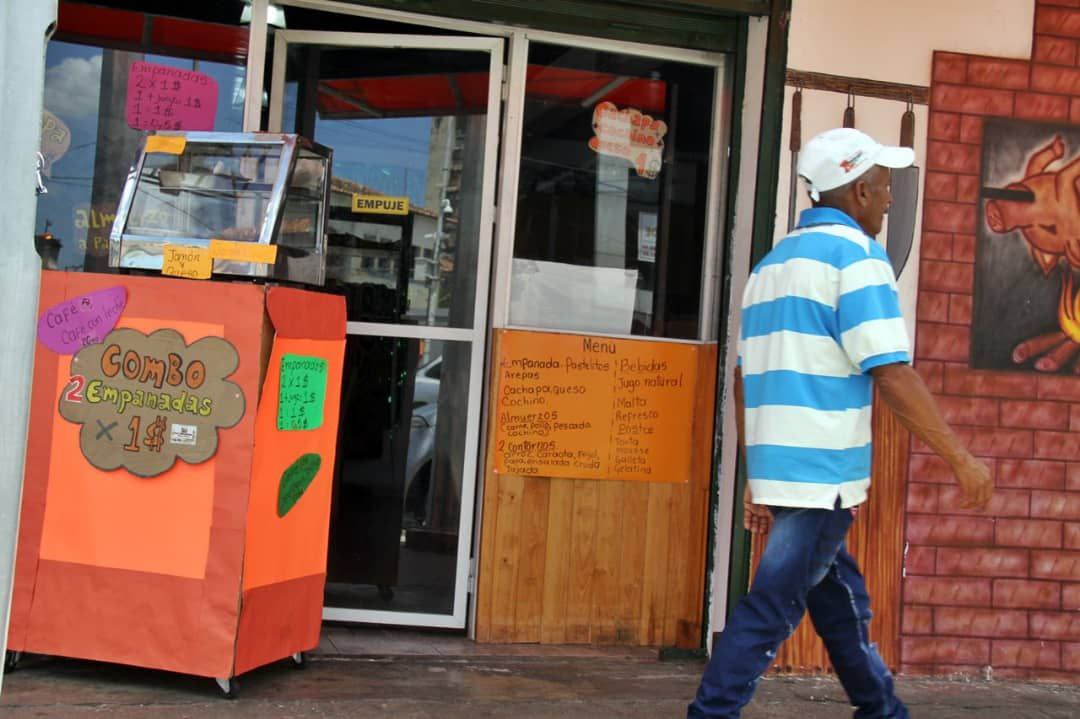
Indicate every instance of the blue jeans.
{"type": "Point", "coordinates": [805, 566]}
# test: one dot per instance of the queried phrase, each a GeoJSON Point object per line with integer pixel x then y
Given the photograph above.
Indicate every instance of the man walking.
{"type": "Point", "coordinates": [821, 327]}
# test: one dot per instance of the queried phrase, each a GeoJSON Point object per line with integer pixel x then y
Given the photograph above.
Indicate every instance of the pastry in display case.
{"type": "Point", "coordinates": [256, 201]}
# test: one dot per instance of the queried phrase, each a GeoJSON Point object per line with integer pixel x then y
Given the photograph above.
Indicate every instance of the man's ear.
{"type": "Point", "coordinates": [861, 190]}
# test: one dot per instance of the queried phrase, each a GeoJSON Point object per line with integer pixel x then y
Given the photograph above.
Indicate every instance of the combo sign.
{"type": "Point", "coordinates": [144, 400]}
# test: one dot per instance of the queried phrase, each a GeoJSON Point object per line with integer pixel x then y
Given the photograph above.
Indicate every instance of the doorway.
{"type": "Point", "coordinates": [413, 121]}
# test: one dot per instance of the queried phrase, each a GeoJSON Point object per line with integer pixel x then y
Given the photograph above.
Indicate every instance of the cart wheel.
{"type": "Point", "coordinates": [11, 661]}
{"type": "Point", "coordinates": [228, 687]}
{"type": "Point", "coordinates": [386, 593]}
{"type": "Point", "coordinates": [299, 660]}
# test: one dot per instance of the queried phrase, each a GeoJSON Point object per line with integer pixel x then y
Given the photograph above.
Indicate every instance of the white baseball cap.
{"type": "Point", "coordinates": [836, 157]}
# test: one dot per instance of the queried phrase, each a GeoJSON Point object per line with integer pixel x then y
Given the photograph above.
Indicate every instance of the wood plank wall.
{"type": "Point", "coordinates": [876, 540]}
{"type": "Point", "coordinates": [603, 562]}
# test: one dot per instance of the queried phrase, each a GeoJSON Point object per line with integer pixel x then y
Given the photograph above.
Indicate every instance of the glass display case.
{"type": "Point", "coordinates": [190, 188]}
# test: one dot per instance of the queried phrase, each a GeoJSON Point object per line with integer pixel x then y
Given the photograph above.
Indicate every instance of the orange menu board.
{"type": "Point", "coordinates": [594, 407]}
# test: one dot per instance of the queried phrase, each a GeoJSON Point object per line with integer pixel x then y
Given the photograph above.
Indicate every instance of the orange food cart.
{"type": "Point", "coordinates": [182, 438]}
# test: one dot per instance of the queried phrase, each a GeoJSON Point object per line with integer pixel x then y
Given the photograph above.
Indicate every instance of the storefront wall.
{"type": "Point", "coordinates": [550, 556]}
{"type": "Point", "coordinates": [990, 594]}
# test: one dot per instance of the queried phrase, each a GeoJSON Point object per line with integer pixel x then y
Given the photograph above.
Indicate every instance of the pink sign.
{"type": "Point", "coordinates": [160, 97]}
{"type": "Point", "coordinates": [71, 325]}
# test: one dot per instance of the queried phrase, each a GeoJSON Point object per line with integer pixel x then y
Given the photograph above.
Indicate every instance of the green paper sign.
{"type": "Point", "coordinates": [295, 480]}
{"type": "Point", "coordinates": [302, 393]}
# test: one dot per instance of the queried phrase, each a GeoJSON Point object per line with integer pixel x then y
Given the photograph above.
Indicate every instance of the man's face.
{"type": "Point", "coordinates": [874, 200]}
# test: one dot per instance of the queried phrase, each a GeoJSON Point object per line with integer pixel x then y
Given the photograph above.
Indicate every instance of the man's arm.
{"type": "Point", "coordinates": [904, 391]}
{"type": "Point", "coordinates": [756, 517]}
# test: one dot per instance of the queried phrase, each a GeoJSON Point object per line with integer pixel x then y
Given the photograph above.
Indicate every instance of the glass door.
{"type": "Point", "coordinates": [413, 122]}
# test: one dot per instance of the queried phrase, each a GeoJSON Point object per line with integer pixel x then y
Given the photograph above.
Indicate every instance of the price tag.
{"type": "Point", "coordinates": [167, 144]}
{"type": "Point", "coordinates": [243, 252]}
{"type": "Point", "coordinates": [193, 263]}
{"type": "Point", "coordinates": [302, 392]}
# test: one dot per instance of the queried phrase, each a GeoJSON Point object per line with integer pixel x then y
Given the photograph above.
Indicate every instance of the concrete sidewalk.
{"type": "Point", "coordinates": [432, 680]}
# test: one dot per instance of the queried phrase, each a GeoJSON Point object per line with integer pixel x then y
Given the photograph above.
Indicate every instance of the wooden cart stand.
{"type": "Point", "coordinates": [178, 474]}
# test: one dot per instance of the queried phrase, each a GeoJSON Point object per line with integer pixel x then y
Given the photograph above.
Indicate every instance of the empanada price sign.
{"type": "Point", "coordinates": [145, 400]}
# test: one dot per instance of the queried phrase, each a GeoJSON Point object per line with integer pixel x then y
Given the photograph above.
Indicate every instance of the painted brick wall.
{"type": "Point", "coordinates": [999, 588]}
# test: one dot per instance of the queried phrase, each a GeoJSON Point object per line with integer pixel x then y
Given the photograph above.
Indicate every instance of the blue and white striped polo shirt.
{"type": "Point", "coordinates": [819, 312]}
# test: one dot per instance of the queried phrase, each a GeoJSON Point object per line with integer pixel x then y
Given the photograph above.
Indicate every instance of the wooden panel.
{"type": "Point", "coordinates": [605, 595]}
{"type": "Point", "coordinates": [655, 589]}
{"type": "Point", "coordinates": [509, 494]}
{"type": "Point", "coordinates": [876, 542]}
{"type": "Point", "coordinates": [579, 590]}
{"type": "Point", "coordinates": [529, 592]}
{"type": "Point", "coordinates": [693, 552]}
{"type": "Point", "coordinates": [631, 579]}
{"type": "Point", "coordinates": [598, 561]}
{"type": "Point", "coordinates": [557, 562]}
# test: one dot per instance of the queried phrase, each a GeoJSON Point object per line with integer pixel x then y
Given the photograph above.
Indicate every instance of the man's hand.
{"type": "Point", "coordinates": [904, 391]}
{"type": "Point", "coordinates": [974, 478]}
{"type": "Point", "coordinates": [756, 517]}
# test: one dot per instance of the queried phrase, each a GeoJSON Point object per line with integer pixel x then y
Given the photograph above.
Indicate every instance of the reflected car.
{"type": "Point", "coordinates": [420, 463]}
{"type": "Point", "coordinates": [426, 390]}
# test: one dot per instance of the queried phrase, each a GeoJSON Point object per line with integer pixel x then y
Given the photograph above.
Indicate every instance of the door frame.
{"type": "Point", "coordinates": [723, 229]}
{"type": "Point", "coordinates": [476, 335]}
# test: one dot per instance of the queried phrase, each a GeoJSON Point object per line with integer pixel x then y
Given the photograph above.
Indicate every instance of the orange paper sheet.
{"type": "Point", "coordinates": [594, 407]}
{"type": "Point", "coordinates": [167, 144]}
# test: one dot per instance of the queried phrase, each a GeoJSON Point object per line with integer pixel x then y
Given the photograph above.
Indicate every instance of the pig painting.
{"type": "Point", "coordinates": [1026, 307]}
{"type": "Point", "coordinates": [1050, 219]}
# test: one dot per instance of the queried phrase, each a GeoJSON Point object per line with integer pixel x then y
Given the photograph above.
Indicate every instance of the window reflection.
{"type": "Point", "coordinates": [612, 193]}
{"type": "Point", "coordinates": [90, 144]}
{"type": "Point", "coordinates": [397, 487]}
{"type": "Point", "coordinates": [408, 129]}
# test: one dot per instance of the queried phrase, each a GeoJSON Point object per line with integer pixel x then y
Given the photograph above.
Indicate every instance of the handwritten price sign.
{"type": "Point", "coordinates": [160, 97]}
{"type": "Point", "coordinates": [143, 401]}
{"type": "Point", "coordinates": [302, 393]}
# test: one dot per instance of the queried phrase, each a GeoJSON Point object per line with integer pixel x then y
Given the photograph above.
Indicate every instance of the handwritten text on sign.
{"type": "Point", "coordinates": [144, 400]}
{"type": "Point", "coordinates": [160, 97]}
{"type": "Point", "coordinates": [631, 135]}
{"type": "Point", "coordinates": [302, 392]}
{"type": "Point", "coordinates": [71, 325]}
{"type": "Point", "coordinates": [194, 263]}
{"type": "Point", "coordinates": [594, 408]}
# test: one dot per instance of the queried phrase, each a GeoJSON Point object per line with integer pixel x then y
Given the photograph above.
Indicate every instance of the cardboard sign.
{"type": "Point", "coordinates": [194, 263]}
{"type": "Point", "coordinates": [71, 325]}
{"type": "Point", "coordinates": [144, 400]}
{"type": "Point", "coordinates": [380, 205]}
{"type": "Point", "coordinates": [631, 135]}
{"type": "Point", "coordinates": [160, 97]}
{"type": "Point", "coordinates": [594, 407]}
{"type": "Point", "coordinates": [302, 392]}
{"type": "Point", "coordinates": [243, 252]}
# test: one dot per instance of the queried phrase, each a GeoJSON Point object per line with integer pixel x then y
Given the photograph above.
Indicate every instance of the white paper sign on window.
{"type": "Point", "coordinates": [631, 135]}
{"type": "Point", "coordinates": [560, 296]}
{"type": "Point", "coordinates": [646, 237]}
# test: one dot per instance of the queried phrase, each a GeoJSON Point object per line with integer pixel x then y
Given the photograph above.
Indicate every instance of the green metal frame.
{"type": "Point", "coordinates": [768, 175]}
{"type": "Point", "coordinates": [738, 95]}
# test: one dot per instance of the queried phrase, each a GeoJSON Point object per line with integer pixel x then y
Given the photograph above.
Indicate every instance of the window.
{"type": "Point", "coordinates": [98, 81]}
{"type": "Point", "coordinates": [613, 186]}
